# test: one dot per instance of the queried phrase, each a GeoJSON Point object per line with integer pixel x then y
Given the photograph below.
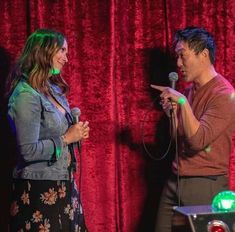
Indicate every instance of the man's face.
{"type": "Point", "coordinates": [189, 63]}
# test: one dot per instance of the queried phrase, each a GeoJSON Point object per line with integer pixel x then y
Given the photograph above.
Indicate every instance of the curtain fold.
{"type": "Point", "coordinates": [116, 49]}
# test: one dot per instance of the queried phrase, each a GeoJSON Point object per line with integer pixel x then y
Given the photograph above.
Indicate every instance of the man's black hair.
{"type": "Point", "coordinates": [197, 39]}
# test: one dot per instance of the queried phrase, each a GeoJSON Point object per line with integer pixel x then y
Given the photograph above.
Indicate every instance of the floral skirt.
{"type": "Point", "coordinates": [46, 206]}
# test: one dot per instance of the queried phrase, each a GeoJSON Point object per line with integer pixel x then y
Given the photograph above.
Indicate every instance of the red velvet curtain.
{"type": "Point", "coordinates": [116, 49]}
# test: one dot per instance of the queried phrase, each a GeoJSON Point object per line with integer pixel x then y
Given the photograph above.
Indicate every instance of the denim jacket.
{"type": "Point", "coordinates": [38, 125]}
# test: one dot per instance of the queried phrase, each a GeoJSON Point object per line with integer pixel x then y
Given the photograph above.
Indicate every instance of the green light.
{"type": "Point", "coordinates": [224, 202]}
{"type": "Point", "coordinates": [181, 101]}
{"type": "Point", "coordinates": [55, 71]}
{"type": "Point", "coordinates": [58, 152]}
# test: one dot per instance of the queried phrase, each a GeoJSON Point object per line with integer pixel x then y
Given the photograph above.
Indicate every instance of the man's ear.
{"type": "Point", "coordinates": [205, 53]}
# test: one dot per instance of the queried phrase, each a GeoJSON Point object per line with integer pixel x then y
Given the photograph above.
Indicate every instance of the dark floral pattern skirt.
{"type": "Point", "coordinates": [46, 206]}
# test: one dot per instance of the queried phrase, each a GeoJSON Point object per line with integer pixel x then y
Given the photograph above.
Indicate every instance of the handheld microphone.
{"type": "Point", "coordinates": [173, 78]}
{"type": "Point", "coordinates": [76, 112]}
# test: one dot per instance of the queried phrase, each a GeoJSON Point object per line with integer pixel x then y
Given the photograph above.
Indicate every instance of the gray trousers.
{"type": "Point", "coordinates": [191, 191]}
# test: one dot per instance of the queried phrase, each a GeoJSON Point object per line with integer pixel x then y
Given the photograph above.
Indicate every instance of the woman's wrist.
{"type": "Point", "coordinates": [64, 140]}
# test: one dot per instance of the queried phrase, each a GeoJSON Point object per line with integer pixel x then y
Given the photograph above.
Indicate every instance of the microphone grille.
{"type": "Point", "coordinates": [173, 76]}
{"type": "Point", "coordinates": [76, 112]}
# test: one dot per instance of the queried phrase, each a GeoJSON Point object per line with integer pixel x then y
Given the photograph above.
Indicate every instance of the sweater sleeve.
{"type": "Point", "coordinates": [217, 116]}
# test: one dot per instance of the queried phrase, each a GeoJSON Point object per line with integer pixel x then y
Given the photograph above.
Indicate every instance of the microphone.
{"type": "Point", "coordinates": [76, 112]}
{"type": "Point", "coordinates": [173, 77]}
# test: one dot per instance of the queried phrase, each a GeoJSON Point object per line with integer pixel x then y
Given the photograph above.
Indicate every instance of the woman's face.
{"type": "Point", "coordinates": [60, 58]}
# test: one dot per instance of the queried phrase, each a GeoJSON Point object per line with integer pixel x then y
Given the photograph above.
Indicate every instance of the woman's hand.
{"type": "Point", "coordinates": [77, 132]}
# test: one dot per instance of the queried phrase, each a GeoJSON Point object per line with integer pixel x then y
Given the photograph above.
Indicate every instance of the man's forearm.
{"type": "Point", "coordinates": [189, 121]}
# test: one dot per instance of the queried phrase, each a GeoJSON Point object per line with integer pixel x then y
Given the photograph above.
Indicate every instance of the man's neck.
{"type": "Point", "coordinates": [205, 77]}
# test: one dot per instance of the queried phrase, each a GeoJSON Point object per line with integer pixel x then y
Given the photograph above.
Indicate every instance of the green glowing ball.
{"type": "Point", "coordinates": [224, 202]}
{"type": "Point", "coordinates": [55, 71]}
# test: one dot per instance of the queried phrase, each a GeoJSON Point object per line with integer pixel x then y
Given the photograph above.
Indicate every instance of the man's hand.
{"type": "Point", "coordinates": [168, 93]}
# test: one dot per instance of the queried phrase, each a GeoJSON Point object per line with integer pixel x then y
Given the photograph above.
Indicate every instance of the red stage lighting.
{"type": "Point", "coordinates": [217, 226]}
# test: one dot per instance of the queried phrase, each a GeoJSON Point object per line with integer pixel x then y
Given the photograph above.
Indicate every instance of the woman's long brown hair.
{"type": "Point", "coordinates": [35, 62]}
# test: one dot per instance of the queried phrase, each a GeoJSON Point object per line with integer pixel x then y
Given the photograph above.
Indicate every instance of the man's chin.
{"type": "Point", "coordinates": [185, 78]}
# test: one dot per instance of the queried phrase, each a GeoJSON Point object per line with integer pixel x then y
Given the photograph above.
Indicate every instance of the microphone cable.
{"type": "Point", "coordinates": [80, 211]}
{"type": "Point", "coordinates": [72, 119]}
{"type": "Point", "coordinates": [173, 128]}
{"type": "Point", "coordinates": [142, 135]}
{"type": "Point", "coordinates": [173, 124]}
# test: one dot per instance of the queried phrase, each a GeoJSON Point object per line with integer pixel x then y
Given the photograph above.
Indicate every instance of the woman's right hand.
{"type": "Point", "coordinates": [76, 132]}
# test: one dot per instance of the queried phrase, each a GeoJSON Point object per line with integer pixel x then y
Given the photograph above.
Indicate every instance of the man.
{"type": "Point", "coordinates": [204, 119]}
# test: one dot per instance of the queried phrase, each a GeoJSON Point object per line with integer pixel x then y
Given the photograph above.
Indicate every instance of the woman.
{"type": "Point", "coordinates": [45, 197]}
